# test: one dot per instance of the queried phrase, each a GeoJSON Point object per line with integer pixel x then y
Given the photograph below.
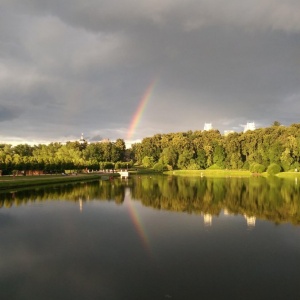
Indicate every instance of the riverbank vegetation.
{"type": "Point", "coordinates": [273, 149]}
{"type": "Point", "coordinates": [54, 158]}
{"type": "Point", "coordinates": [211, 173]}
{"type": "Point", "coordinates": [10, 182]}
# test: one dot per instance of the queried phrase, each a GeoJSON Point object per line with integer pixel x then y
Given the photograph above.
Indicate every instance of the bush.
{"type": "Point", "coordinates": [169, 168]}
{"type": "Point", "coordinates": [286, 167]}
{"type": "Point", "coordinates": [193, 166]}
{"type": "Point", "coordinates": [123, 165]}
{"type": "Point", "coordinates": [246, 166]}
{"type": "Point", "coordinates": [106, 165]}
{"type": "Point", "coordinates": [257, 168]}
{"type": "Point", "coordinates": [273, 169]}
{"type": "Point", "coordinates": [148, 161]}
{"type": "Point", "coordinates": [159, 167]}
{"type": "Point", "coordinates": [215, 167]}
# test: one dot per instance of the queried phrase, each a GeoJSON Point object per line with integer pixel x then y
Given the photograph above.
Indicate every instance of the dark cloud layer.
{"type": "Point", "coordinates": [83, 66]}
{"type": "Point", "coordinates": [8, 113]}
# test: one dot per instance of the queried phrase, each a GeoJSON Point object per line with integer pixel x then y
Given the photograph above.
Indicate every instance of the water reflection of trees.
{"type": "Point", "coordinates": [85, 191]}
{"type": "Point", "coordinates": [271, 199]}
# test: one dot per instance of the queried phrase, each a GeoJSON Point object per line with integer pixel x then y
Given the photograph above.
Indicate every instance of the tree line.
{"type": "Point", "coordinates": [275, 148]}
{"type": "Point", "coordinates": [57, 157]}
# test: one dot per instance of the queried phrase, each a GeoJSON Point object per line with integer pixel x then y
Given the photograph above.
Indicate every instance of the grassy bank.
{"type": "Point", "coordinates": [229, 173]}
{"type": "Point", "coordinates": [289, 175]}
{"type": "Point", "coordinates": [10, 182]}
{"type": "Point", "coordinates": [210, 173]}
{"type": "Point", "coordinates": [140, 170]}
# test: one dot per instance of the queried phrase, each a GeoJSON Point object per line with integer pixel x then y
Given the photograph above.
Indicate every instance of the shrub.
{"type": "Point", "coordinates": [215, 167]}
{"type": "Point", "coordinates": [123, 165]}
{"type": "Point", "coordinates": [273, 169]}
{"type": "Point", "coordinates": [169, 168]}
{"type": "Point", "coordinates": [257, 168]}
{"type": "Point", "coordinates": [285, 166]}
{"type": "Point", "coordinates": [148, 161]}
{"type": "Point", "coordinates": [159, 167]}
{"type": "Point", "coordinates": [246, 166]}
{"type": "Point", "coordinates": [193, 166]}
{"type": "Point", "coordinates": [106, 165]}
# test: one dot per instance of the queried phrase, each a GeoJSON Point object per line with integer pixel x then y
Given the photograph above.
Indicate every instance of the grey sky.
{"type": "Point", "coordinates": [75, 66]}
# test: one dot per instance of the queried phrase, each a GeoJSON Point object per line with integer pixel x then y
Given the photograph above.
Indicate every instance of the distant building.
{"type": "Point", "coordinates": [82, 140]}
{"type": "Point", "coordinates": [249, 126]}
{"type": "Point", "coordinates": [207, 126]}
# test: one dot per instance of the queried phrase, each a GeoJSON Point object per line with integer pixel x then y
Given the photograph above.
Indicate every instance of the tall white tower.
{"type": "Point", "coordinates": [82, 140]}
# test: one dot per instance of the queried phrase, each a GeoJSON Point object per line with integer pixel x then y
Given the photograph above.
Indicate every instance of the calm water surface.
{"type": "Point", "coordinates": [152, 238]}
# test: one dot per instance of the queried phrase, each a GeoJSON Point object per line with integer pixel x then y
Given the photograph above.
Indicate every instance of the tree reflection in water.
{"type": "Point", "coordinates": [271, 199]}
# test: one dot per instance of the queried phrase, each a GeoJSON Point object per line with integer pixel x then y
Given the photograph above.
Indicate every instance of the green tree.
{"type": "Point", "coordinates": [184, 159]}
{"type": "Point", "coordinates": [257, 168]}
{"type": "Point", "coordinates": [148, 161]}
{"type": "Point", "coordinates": [219, 156]}
{"type": "Point", "coordinates": [276, 123]}
{"type": "Point", "coordinates": [159, 167]}
{"type": "Point", "coordinates": [201, 159]}
{"type": "Point", "coordinates": [168, 157]}
{"type": "Point", "coordinates": [23, 150]}
{"type": "Point", "coordinates": [273, 169]}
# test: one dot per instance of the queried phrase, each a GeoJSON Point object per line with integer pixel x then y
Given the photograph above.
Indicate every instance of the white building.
{"type": "Point", "coordinates": [207, 126]}
{"type": "Point", "coordinates": [249, 126]}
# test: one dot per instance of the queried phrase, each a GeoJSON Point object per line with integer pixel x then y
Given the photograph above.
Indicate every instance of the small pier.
{"type": "Point", "coordinates": [124, 174]}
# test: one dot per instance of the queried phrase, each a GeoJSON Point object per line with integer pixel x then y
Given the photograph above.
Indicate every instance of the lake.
{"type": "Point", "coordinates": [152, 237]}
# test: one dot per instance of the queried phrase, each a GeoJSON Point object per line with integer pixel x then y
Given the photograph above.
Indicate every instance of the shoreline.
{"type": "Point", "coordinates": [10, 182]}
{"type": "Point", "coordinates": [229, 173]}
{"type": "Point", "coordinates": [7, 183]}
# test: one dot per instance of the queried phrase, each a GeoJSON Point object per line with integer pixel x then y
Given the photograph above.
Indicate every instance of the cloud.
{"type": "Point", "coordinates": [83, 66]}
{"type": "Point", "coordinates": [8, 113]}
{"type": "Point", "coordinates": [94, 15]}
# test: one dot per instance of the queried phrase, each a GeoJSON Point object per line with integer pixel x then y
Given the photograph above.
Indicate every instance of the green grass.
{"type": "Point", "coordinates": [229, 173]}
{"type": "Point", "coordinates": [142, 170]}
{"type": "Point", "coordinates": [10, 182]}
{"type": "Point", "coordinates": [289, 175]}
{"type": "Point", "coordinates": [210, 173]}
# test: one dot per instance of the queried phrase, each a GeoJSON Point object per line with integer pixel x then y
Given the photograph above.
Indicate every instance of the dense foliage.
{"type": "Point", "coordinates": [253, 150]}
{"type": "Point", "coordinates": [57, 157]}
{"type": "Point", "coordinates": [193, 150]}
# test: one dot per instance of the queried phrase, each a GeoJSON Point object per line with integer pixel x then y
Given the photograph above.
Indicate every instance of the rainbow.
{"type": "Point", "coordinates": [138, 225]}
{"type": "Point", "coordinates": [138, 113]}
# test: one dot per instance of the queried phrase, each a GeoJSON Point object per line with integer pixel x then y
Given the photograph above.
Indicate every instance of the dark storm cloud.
{"type": "Point", "coordinates": [83, 66]}
{"type": "Point", "coordinates": [8, 113]}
